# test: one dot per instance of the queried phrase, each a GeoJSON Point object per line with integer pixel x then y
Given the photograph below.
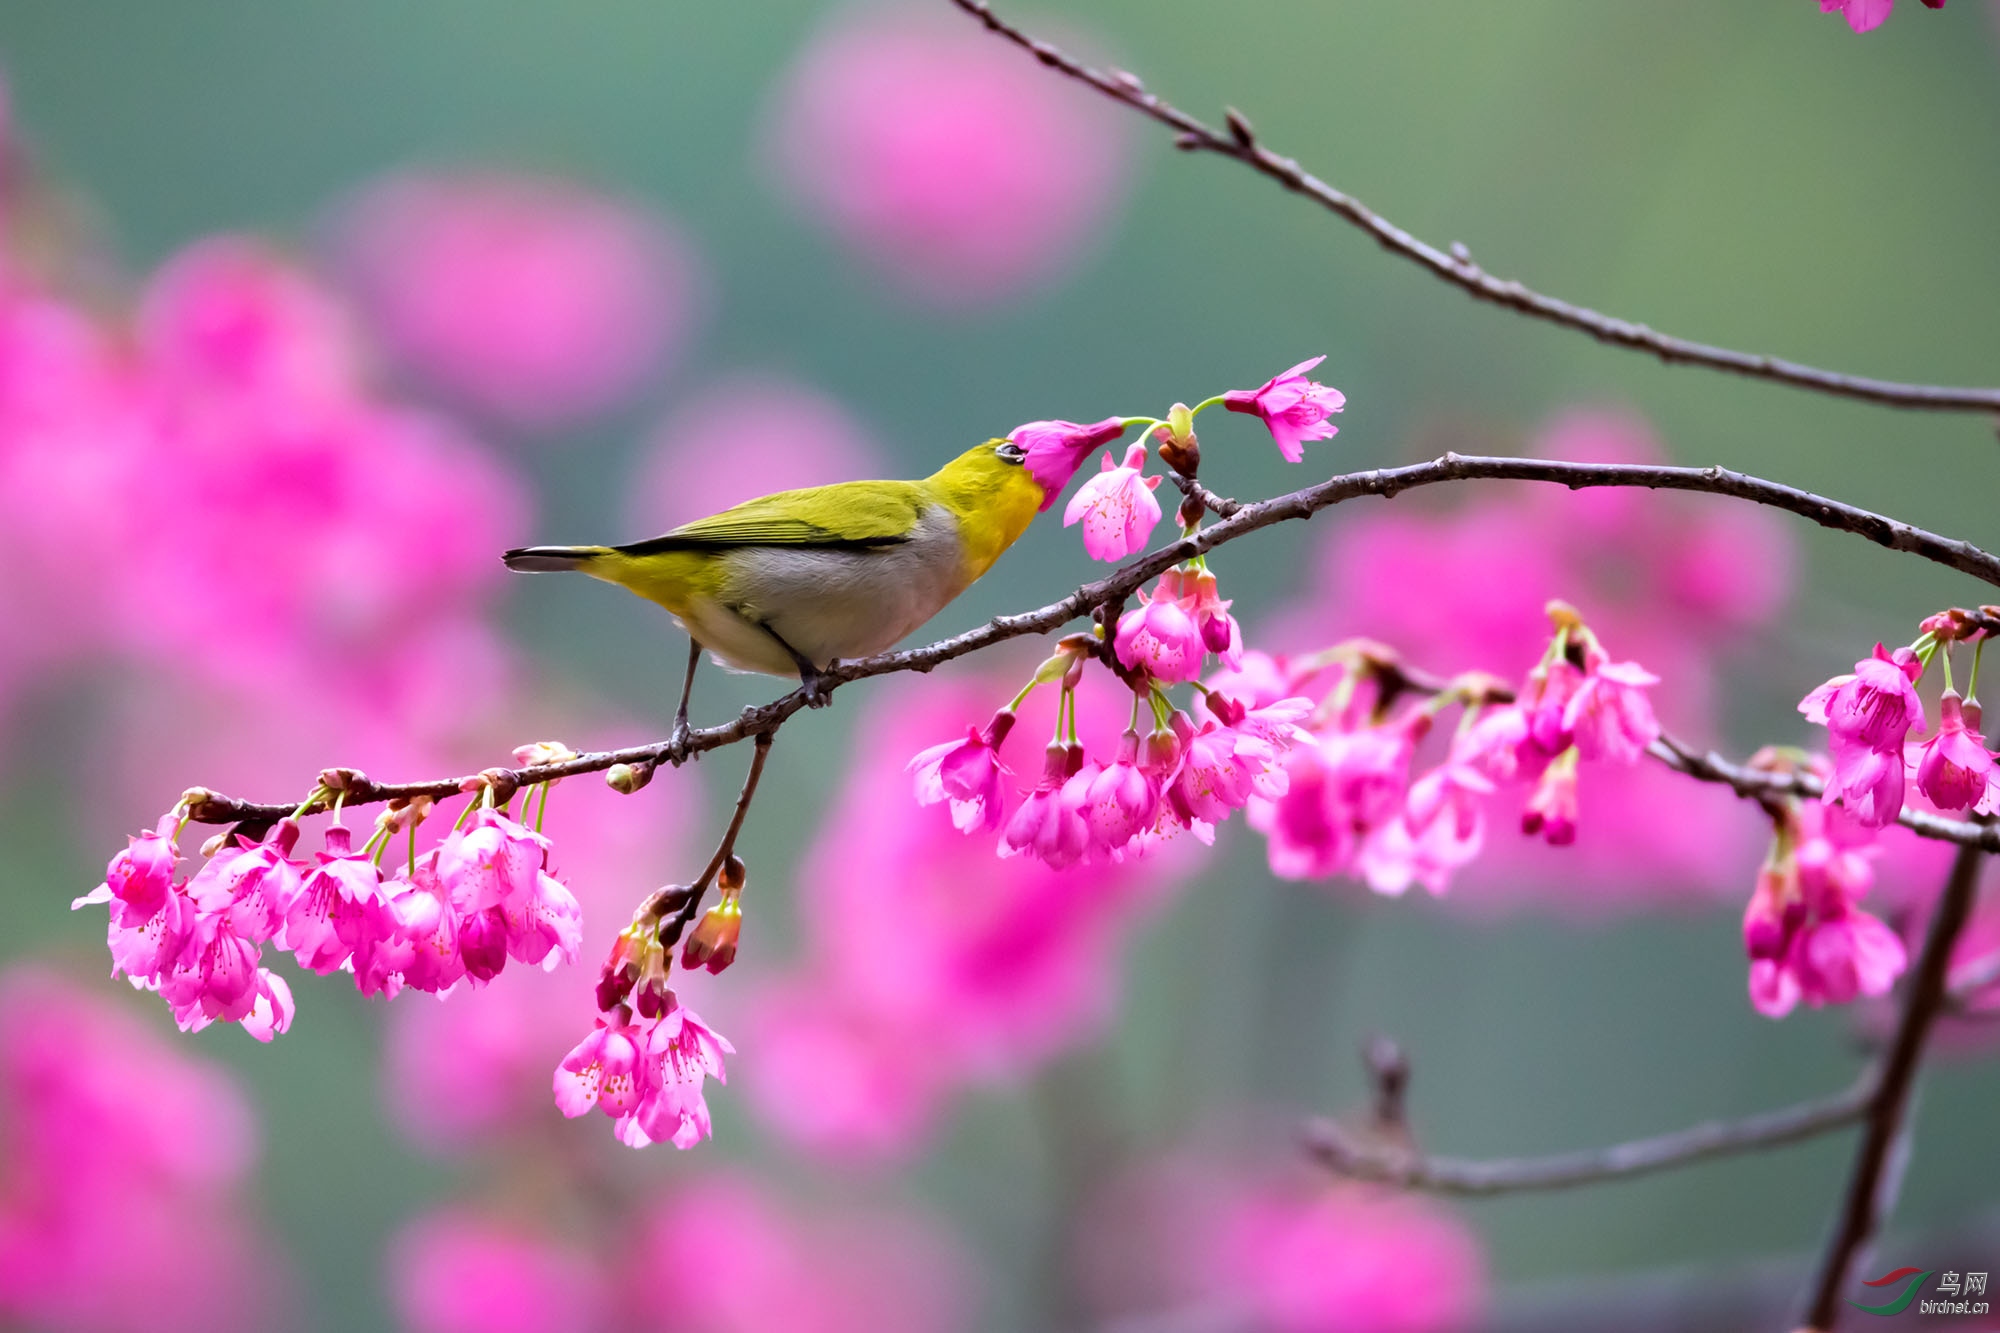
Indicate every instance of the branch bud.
{"type": "Point", "coordinates": [734, 872]}
{"type": "Point", "coordinates": [628, 778]}
{"type": "Point", "coordinates": [1178, 447]}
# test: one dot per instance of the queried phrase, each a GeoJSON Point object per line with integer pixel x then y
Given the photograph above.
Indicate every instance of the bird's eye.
{"type": "Point", "coordinates": [1011, 452]}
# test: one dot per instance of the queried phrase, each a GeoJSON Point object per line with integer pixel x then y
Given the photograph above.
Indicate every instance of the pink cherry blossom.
{"type": "Point", "coordinates": [499, 866]}
{"type": "Point", "coordinates": [1954, 769]}
{"type": "Point", "coordinates": [252, 884]}
{"type": "Point", "coordinates": [453, 1271]}
{"type": "Point", "coordinates": [679, 1052]}
{"type": "Point", "coordinates": [1220, 633]}
{"type": "Point", "coordinates": [607, 1069]}
{"type": "Point", "coordinates": [1551, 810]}
{"type": "Point", "coordinates": [1161, 637]}
{"type": "Point", "coordinates": [140, 877]}
{"type": "Point", "coordinates": [1876, 707]}
{"type": "Point", "coordinates": [1119, 801]}
{"type": "Point", "coordinates": [1609, 716]}
{"type": "Point", "coordinates": [1340, 789]}
{"type": "Point", "coordinates": [324, 923]}
{"type": "Point", "coordinates": [1294, 408]}
{"type": "Point", "coordinates": [1806, 935]}
{"type": "Point", "coordinates": [1048, 823]}
{"type": "Point", "coordinates": [1056, 449]}
{"type": "Point", "coordinates": [968, 774]}
{"type": "Point", "coordinates": [945, 164]}
{"type": "Point", "coordinates": [1116, 507]}
{"type": "Point", "coordinates": [531, 298]}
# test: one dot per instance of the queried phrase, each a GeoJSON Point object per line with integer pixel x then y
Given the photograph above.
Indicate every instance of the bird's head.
{"type": "Point", "coordinates": [994, 495]}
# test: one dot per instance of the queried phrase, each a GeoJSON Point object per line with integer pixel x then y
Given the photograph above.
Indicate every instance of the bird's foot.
{"type": "Point", "coordinates": [817, 689]}
{"type": "Point", "coordinates": [677, 742]}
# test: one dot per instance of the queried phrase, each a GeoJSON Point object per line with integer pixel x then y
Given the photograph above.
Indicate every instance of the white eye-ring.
{"type": "Point", "coordinates": [1012, 453]}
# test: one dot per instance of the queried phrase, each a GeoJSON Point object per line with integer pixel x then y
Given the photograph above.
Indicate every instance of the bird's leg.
{"type": "Point", "coordinates": [678, 738]}
{"type": "Point", "coordinates": [809, 679]}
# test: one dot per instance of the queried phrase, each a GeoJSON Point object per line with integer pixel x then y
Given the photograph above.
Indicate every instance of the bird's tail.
{"type": "Point", "coordinates": [551, 559]}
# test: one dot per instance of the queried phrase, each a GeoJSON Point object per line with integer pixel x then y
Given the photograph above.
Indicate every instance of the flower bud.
{"type": "Point", "coordinates": [628, 778]}
{"type": "Point", "coordinates": [543, 752]}
{"type": "Point", "coordinates": [1178, 447]}
{"type": "Point", "coordinates": [614, 985]}
{"type": "Point", "coordinates": [713, 944]}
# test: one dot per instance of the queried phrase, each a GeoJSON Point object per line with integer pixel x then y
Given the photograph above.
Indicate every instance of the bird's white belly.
{"type": "Point", "coordinates": [828, 604]}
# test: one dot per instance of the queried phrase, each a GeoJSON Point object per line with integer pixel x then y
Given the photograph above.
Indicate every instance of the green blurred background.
{"type": "Point", "coordinates": [1753, 175]}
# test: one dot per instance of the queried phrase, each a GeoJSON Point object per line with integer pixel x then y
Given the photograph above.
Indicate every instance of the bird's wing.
{"type": "Point", "coordinates": [849, 516]}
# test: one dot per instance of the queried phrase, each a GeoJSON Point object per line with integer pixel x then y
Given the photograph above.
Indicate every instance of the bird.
{"type": "Point", "coordinates": [790, 583]}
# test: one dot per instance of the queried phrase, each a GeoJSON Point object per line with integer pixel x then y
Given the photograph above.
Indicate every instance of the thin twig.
{"type": "Point", "coordinates": [213, 808]}
{"type": "Point", "coordinates": [724, 849]}
{"type": "Point", "coordinates": [1456, 267]}
{"type": "Point", "coordinates": [1923, 1000]}
{"type": "Point", "coordinates": [1346, 1156]}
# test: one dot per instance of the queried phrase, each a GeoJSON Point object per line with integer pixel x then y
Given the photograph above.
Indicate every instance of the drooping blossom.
{"type": "Point", "coordinates": [1227, 762]}
{"type": "Point", "coordinates": [1295, 409]}
{"type": "Point", "coordinates": [1609, 716]}
{"type": "Point", "coordinates": [1868, 716]}
{"type": "Point", "coordinates": [497, 865]}
{"type": "Point", "coordinates": [1056, 449]}
{"type": "Point", "coordinates": [940, 159]}
{"type": "Point", "coordinates": [325, 922]}
{"type": "Point", "coordinates": [1048, 823]}
{"type": "Point", "coordinates": [531, 298]}
{"type": "Point", "coordinates": [126, 1158]}
{"type": "Point", "coordinates": [1954, 769]}
{"type": "Point", "coordinates": [1804, 931]}
{"type": "Point", "coordinates": [968, 774]}
{"type": "Point", "coordinates": [1119, 801]}
{"type": "Point", "coordinates": [1116, 507]}
{"type": "Point", "coordinates": [1340, 789]}
{"type": "Point", "coordinates": [1671, 581]}
{"type": "Point", "coordinates": [1161, 636]}
{"type": "Point", "coordinates": [646, 1073]}
{"type": "Point", "coordinates": [455, 1271]}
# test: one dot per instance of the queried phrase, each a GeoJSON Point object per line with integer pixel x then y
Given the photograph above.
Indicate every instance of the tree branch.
{"type": "Point", "coordinates": [1755, 784]}
{"type": "Point", "coordinates": [1923, 1000]}
{"type": "Point", "coordinates": [1343, 1154]}
{"type": "Point", "coordinates": [213, 808]}
{"type": "Point", "coordinates": [1456, 267]}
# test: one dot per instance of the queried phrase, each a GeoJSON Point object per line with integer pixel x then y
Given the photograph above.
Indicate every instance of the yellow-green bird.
{"type": "Point", "coordinates": [789, 583]}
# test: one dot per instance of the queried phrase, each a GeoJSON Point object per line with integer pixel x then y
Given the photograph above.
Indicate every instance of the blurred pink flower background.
{"type": "Point", "coordinates": [945, 163]}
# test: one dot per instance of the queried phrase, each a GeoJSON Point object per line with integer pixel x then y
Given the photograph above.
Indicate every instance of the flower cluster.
{"type": "Point", "coordinates": [1179, 776]}
{"type": "Point", "coordinates": [1805, 933]}
{"type": "Point", "coordinates": [1870, 713]}
{"type": "Point", "coordinates": [1356, 804]}
{"type": "Point", "coordinates": [646, 1057]}
{"type": "Point", "coordinates": [456, 913]}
